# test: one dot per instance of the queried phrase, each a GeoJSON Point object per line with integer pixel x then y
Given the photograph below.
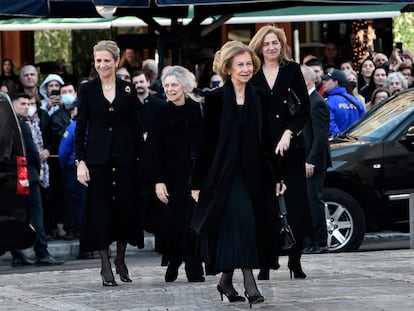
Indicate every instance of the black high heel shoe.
{"type": "Point", "coordinates": [297, 271]}
{"type": "Point", "coordinates": [108, 283]}
{"type": "Point", "coordinates": [231, 297]}
{"type": "Point", "coordinates": [124, 277]}
{"type": "Point", "coordinates": [258, 298]}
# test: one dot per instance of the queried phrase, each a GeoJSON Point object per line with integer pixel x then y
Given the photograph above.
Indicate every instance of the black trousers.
{"type": "Point", "coordinates": [314, 186]}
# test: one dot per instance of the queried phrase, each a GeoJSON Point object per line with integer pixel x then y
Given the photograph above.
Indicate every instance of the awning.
{"type": "Point", "coordinates": [319, 13]}
{"type": "Point", "coordinates": [292, 14]}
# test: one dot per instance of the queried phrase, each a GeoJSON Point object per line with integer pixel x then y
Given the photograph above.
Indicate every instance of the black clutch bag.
{"type": "Point", "coordinates": [287, 238]}
{"type": "Point", "coordinates": [293, 102]}
{"type": "Point", "coordinates": [15, 234]}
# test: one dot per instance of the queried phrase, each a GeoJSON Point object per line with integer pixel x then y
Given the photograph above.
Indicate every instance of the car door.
{"type": "Point", "coordinates": [398, 171]}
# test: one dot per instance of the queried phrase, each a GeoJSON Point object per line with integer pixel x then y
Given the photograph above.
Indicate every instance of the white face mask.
{"type": "Point", "coordinates": [67, 100]}
{"type": "Point", "coordinates": [32, 110]}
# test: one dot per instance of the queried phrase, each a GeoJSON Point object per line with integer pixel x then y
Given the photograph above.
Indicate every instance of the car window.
{"type": "Point", "coordinates": [383, 119]}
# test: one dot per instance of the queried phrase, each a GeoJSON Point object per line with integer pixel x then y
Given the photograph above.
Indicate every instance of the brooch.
{"type": "Point", "coordinates": [128, 89]}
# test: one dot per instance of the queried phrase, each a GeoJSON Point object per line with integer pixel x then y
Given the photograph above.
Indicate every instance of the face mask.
{"type": "Point", "coordinates": [32, 110]}
{"type": "Point", "coordinates": [67, 100]}
{"type": "Point", "coordinates": [352, 85]}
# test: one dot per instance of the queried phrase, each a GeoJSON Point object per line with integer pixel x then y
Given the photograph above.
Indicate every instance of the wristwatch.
{"type": "Point", "coordinates": [77, 161]}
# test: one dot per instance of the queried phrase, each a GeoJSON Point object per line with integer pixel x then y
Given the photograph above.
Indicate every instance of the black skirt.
{"type": "Point", "coordinates": [236, 244]}
{"type": "Point", "coordinates": [111, 212]}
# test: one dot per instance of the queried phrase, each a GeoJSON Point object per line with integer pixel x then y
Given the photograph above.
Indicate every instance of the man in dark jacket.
{"type": "Point", "coordinates": [21, 107]}
{"type": "Point", "coordinates": [318, 159]}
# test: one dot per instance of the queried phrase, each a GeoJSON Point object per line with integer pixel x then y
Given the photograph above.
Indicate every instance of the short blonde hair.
{"type": "Point", "coordinates": [256, 43]}
{"type": "Point", "coordinates": [109, 46]}
{"type": "Point", "coordinates": [223, 58]}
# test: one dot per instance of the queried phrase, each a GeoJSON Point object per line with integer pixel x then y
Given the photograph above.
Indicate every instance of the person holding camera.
{"type": "Point", "coordinates": [49, 89]}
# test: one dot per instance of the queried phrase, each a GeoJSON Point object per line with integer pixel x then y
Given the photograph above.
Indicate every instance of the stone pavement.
{"type": "Point", "coordinates": [363, 281]}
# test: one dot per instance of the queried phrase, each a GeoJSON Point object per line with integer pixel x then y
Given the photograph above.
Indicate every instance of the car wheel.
{"type": "Point", "coordinates": [345, 220]}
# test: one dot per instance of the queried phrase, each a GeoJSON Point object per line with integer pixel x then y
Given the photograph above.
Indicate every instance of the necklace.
{"type": "Point", "coordinates": [107, 87]}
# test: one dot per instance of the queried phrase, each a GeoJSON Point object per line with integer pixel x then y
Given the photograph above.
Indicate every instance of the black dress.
{"type": "Point", "coordinates": [108, 138]}
{"type": "Point", "coordinates": [172, 146]}
{"type": "Point", "coordinates": [279, 119]}
{"type": "Point", "coordinates": [232, 173]}
{"type": "Point", "coordinates": [236, 246]}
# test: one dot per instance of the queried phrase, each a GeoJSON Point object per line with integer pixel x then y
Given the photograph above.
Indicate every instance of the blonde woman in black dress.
{"type": "Point", "coordinates": [108, 139]}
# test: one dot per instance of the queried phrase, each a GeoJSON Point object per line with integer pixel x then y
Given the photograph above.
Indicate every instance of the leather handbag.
{"type": "Point", "coordinates": [287, 238]}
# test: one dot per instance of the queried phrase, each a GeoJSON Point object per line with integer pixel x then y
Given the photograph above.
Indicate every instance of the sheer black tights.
{"type": "Point", "coordinates": [226, 282]}
{"type": "Point", "coordinates": [120, 260]}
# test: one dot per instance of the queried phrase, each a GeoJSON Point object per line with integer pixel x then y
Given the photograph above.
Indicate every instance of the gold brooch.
{"type": "Point", "coordinates": [128, 89]}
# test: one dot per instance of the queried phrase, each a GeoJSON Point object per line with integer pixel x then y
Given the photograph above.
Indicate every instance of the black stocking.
{"type": "Point", "coordinates": [249, 282]}
{"type": "Point", "coordinates": [106, 265]}
{"type": "Point", "coordinates": [120, 257]}
{"type": "Point", "coordinates": [226, 283]}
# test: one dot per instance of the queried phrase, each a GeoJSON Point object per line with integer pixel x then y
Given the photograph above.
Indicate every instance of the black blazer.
{"type": "Point", "coordinates": [279, 117]}
{"type": "Point", "coordinates": [101, 133]}
{"type": "Point", "coordinates": [316, 134]}
{"type": "Point", "coordinates": [32, 154]}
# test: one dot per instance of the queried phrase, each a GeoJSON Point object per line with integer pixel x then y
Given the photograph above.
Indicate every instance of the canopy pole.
{"type": "Point", "coordinates": [296, 45]}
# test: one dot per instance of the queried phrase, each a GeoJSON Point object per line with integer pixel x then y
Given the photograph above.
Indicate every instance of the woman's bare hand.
{"type": "Point", "coordinates": [82, 173]}
{"type": "Point", "coordinates": [284, 143]}
{"type": "Point", "coordinates": [161, 192]}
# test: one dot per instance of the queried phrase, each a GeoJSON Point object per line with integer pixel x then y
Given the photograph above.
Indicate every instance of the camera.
{"type": "Point", "coordinates": [55, 93]}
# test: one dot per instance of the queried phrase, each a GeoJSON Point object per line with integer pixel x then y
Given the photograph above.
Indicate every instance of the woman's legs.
{"type": "Point", "coordinates": [120, 257]}
{"type": "Point", "coordinates": [250, 283]}
{"type": "Point", "coordinates": [106, 266]}
{"type": "Point", "coordinates": [226, 283]}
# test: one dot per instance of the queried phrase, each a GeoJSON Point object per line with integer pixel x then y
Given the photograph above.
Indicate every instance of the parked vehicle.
{"type": "Point", "coordinates": [372, 160]}
{"type": "Point", "coordinates": [15, 232]}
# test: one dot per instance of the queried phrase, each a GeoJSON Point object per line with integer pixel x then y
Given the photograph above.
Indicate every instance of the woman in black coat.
{"type": "Point", "coordinates": [108, 138]}
{"type": "Point", "coordinates": [279, 76]}
{"type": "Point", "coordinates": [232, 180]}
{"type": "Point", "coordinates": [172, 149]}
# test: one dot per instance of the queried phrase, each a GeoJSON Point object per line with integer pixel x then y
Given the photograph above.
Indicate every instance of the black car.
{"type": "Point", "coordinates": [372, 161]}
{"type": "Point", "coordinates": [15, 231]}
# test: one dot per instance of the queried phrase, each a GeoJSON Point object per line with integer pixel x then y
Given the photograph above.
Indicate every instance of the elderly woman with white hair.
{"type": "Point", "coordinates": [168, 162]}
{"type": "Point", "coordinates": [396, 82]}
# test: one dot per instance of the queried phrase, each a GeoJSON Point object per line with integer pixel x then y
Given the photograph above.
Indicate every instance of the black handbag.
{"type": "Point", "coordinates": [293, 102]}
{"type": "Point", "coordinates": [287, 238]}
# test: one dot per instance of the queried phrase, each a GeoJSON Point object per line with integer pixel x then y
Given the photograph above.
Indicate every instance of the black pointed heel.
{"type": "Point", "coordinates": [231, 298]}
{"type": "Point", "coordinates": [108, 283]}
{"type": "Point", "coordinates": [297, 271]}
{"type": "Point", "coordinates": [254, 299]}
{"type": "Point", "coordinates": [124, 277]}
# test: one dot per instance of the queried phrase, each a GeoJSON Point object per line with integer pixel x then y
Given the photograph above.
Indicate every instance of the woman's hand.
{"type": "Point", "coordinates": [44, 155]}
{"type": "Point", "coordinates": [161, 192]}
{"type": "Point", "coordinates": [195, 194]}
{"type": "Point", "coordinates": [82, 173]}
{"type": "Point", "coordinates": [280, 188]}
{"type": "Point", "coordinates": [284, 143]}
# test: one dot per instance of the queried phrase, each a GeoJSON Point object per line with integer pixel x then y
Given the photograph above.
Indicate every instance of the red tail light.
{"type": "Point", "coordinates": [22, 176]}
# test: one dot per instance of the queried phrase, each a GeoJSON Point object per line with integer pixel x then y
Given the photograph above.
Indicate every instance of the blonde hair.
{"type": "Point", "coordinates": [256, 43]}
{"type": "Point", "coordinates": [223, 58]}
{"type": "Point", "coordinates": [109, 46]}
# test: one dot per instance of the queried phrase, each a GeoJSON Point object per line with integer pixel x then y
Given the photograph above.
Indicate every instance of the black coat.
{"type": "Point", "coordinates": [100, 133]}
{"type": "Point", "coordinates": [280, 119]}
{"type": "Point", "coordinates": [108, 137]}
{"type": "Point", "coordinates": [219, 152]}
{"type": "Point", "coordinates": [149, 109]}
{"type": "Point", "coordinates": [172, 147]}
{"type": "Point", "coordinates": [316, 134]}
